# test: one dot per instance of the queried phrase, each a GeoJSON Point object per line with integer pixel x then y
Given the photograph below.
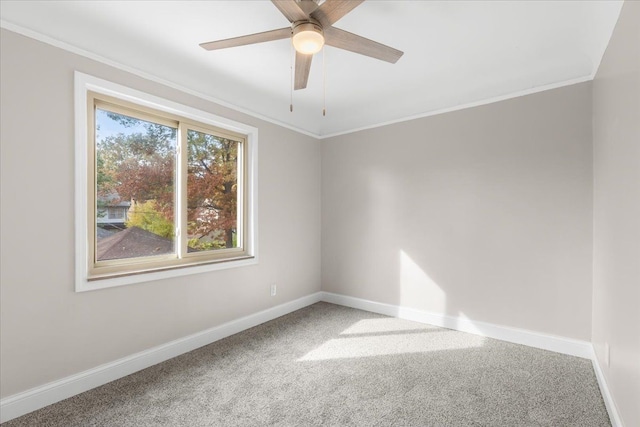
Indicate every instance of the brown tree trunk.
{"type": "Point", "coordinates": [229, 238]}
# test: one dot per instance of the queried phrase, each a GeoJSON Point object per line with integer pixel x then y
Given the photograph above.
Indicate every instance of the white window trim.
{"type": "Point", "coordinates": [85, 83]}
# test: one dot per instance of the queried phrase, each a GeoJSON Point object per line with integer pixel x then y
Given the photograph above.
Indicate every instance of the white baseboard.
{"type": "Point", "coordinates": [39, 397]}
{"type": "Point", "coordinates": [614, 416]}
{"type": "Point", "coordinates": [558, 344]}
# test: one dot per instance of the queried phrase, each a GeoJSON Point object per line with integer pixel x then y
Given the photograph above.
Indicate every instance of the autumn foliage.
{"type": "Point", "coordinates": [212, 191]}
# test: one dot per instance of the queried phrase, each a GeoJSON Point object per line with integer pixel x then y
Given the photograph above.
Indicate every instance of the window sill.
{"type": "Point", "coordinates": [97, 282]}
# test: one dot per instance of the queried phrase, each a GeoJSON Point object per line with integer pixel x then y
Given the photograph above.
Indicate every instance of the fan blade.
{"type": "Point", "coordinates": [345, 40]}
{"type": "Point", "coordinates": [290, 9]}
{"type": "Point", "coordinates": [266, 36]}
{"type": "Point", "coordinates": [332, 10]}
{"type": "Point", "coordinates": [303, 65]}
{"type": "Point", "coordinates": [308, 6]}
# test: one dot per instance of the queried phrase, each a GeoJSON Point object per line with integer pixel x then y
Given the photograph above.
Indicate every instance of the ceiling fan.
{"type": "Point", "coordinates": [312, 28]}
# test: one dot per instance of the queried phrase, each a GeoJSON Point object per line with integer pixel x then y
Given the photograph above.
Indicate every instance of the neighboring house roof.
{"type": "Point", "coordinates": [108, 204]}
{"type": "Point", "coordinates": [112, 200]}
{"type": "Point", "coordinates": [131, 243]}
{"type": "Point", "coordinates": [102, 233]}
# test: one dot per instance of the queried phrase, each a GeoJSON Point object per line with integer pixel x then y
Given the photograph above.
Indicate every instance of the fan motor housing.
{"type": "Point", "coordinates": [307, 25]}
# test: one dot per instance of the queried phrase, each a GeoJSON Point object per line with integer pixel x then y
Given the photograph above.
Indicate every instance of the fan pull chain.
{"type": "Point", "coordinates": [324, 82]}
{"type": "Point", "coordinates": [291, 85]}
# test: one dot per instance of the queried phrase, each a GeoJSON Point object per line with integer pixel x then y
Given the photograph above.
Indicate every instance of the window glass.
{"type": "Point", "coordinates": [212, 192]}
{"type": "Point", "coordinates": [135, 170]}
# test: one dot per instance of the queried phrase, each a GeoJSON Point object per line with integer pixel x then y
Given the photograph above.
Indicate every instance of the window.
{"type": "Point", "coordinates": [168, 190]}
{"type": "Point", "coordinates": [114, 213]}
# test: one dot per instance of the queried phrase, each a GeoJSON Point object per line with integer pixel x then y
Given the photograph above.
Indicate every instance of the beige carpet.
{"type": "Point", "coordinates": [331, 365]}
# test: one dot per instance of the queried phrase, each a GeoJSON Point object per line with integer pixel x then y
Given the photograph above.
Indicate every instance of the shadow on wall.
{"type": "Point", "coordinates": [433, 230]}
{"type": "Point", "coordinates": [416, 285]}
{"type": "Point", "coordinates": [454, 240]}
{"type": "Point", "coordinates": [418, 290]}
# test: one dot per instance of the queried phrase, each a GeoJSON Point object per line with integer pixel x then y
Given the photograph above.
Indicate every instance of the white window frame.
{"type": "Point", "coordinates": [84, 84]}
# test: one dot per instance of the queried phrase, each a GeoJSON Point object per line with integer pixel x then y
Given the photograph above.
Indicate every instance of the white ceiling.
{"type": "Point", "coordinates": [457, 53]}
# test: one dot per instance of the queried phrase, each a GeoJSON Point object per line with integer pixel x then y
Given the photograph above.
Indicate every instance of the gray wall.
{"type": "Point", "coordinates": [483, 213]}
{"type": "Point", "coordinates": [49, 331]}
{"type": "Point", "coordinates": [616, 281]}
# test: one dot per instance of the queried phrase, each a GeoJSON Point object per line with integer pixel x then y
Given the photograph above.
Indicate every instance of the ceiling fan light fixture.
{"type": "Point", "coordinates": [308, 38]}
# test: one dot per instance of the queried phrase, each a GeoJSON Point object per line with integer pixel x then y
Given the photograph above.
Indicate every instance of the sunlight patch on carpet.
{"type": "Point", "coordinates": [369, 326]}
{"type": "Point", "coordinates": [393, 344]}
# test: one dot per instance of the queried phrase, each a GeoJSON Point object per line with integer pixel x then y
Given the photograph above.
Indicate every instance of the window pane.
{"type": "Point", "coordinates": [135, 168]}
{"type": "Point", "coordinates": [212, 192]}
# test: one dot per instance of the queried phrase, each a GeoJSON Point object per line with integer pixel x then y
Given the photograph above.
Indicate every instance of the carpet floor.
{"type": "Point", "coordinates": [332, 365]}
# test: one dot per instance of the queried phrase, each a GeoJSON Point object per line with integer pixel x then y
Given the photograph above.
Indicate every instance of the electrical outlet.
{"type": "Point", "coordinates": [273, 289]}
{"type": "Point", "coordinates": [607, 354]}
